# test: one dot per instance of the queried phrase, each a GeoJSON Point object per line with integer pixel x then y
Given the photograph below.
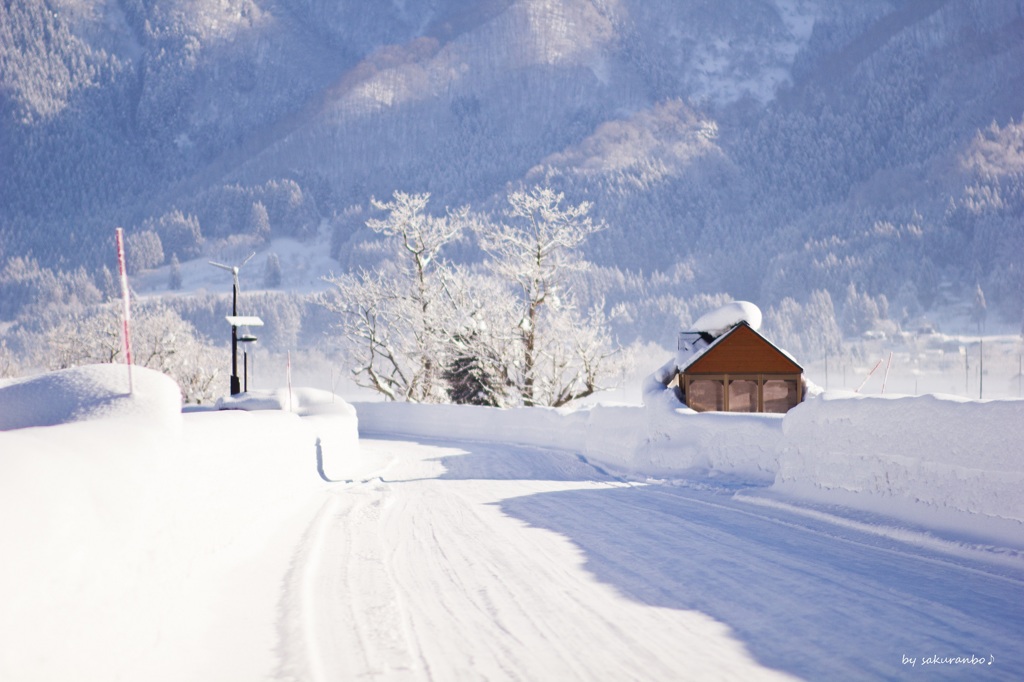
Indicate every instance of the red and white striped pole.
{"type": "Point", "coordinates": [868, 376]}
{"type": "Point", "coordinates": [126, 315]}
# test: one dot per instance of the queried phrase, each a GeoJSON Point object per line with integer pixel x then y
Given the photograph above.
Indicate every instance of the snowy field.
{"type": "Point", "coordinates": [855, 538]}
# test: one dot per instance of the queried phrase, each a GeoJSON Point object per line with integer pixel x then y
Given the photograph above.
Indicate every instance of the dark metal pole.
{"type": "Point", "coordinates": [235, 388]}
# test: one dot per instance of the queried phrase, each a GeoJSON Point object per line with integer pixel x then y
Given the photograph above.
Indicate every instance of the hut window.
{"type": "Point", "coordinates": [779, 395]}
{"type": "Point", "coordinates": [743, 395]}
{"type": "Point", "coordinates": [706, 394]}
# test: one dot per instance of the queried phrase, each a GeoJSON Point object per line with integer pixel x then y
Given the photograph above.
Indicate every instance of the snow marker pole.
{"type": "Point", "coordinates": [868, 376]}
{"type": "Point", "coordinates": [126, 313]}
{"type": "Point", "coordinates": [886, 377]}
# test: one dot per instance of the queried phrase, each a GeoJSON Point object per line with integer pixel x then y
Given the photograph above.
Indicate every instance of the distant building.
{"type": "Point", "coordinates": [738, 371]}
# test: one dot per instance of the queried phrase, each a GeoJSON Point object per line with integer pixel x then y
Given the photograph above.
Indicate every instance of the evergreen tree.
{"type": "Point", "coordinates": [174, 278]}
{"type": "Point", "coordinates": [469, 380]}
{"type": "Point", "coordinates": [259, 221]}
{"type": "Point", "coordinates": [144, 250]}
{"type": "Point", "coordinates": [272, 271]}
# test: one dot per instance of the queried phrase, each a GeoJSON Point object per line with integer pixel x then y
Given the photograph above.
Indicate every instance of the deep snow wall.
{"type": "Point", "coordinates": [638, 441]}
{"type": "Point", "coordinates": [943, 452]}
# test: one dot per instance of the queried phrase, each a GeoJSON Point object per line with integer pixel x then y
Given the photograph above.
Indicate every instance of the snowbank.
{"type": "Point", "coordinates": [90, 392]}
{"type": "Point", "coordinates": [944, 452]}
{"type": "Point", "coordinates": [641, 442]}
{"type": "Point", "coordinates": [941, 453]}
{"type": "Point", "coordinates": [332, 421]}
{"type": "Point", "coordinates": [133, 528]}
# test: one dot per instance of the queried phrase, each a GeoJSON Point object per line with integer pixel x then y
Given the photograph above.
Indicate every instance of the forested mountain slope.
{"type": "Point", "coordinates": [763, 148]}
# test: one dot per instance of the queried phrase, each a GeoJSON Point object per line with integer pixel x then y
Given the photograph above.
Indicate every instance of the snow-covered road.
{"type": "Point", "coordinates": [483, 561]}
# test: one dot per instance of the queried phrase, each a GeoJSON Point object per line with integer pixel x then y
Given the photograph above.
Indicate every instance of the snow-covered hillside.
{"type": "Point", "coordinates": [770, 148]}
{"type": "Point", "coordinates": [262, 541]}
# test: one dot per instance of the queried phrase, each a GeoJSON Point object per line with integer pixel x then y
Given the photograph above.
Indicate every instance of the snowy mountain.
{"type": "Point", "coordinates": [761, 148]}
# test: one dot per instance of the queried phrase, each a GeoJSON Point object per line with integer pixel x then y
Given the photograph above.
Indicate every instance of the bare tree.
{"type": "Point", "coordinates": [162, 341]}
{"type": "Point", "coordinates": [509, 333]}
{"type": "Point", "coordinates": [395, 318]}
{"type": "Point", "coordinates": [561, 354]}
{"type": "Point", "coordinates": [8, 367]}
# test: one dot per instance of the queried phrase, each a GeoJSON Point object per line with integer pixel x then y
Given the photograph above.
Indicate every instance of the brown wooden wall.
{"type": "Point", "coordinates": [743, 351]}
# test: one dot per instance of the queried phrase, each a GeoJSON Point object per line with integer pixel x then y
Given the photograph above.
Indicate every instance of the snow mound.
{"type": "Point", "coordinates": [718, 322]}
{"type": "Point", "coordinates": [87, 393]}
{"type": "Point", "coordinates": [302, 401]}
{"type": "Point", "coordinates": [332, 420]}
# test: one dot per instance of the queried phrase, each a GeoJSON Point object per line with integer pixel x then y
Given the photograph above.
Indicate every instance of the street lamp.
{"type": "Point", "coordinates": [235, 321]}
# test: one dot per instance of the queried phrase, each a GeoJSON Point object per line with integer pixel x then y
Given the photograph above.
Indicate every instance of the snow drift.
{"type": "Point", "coordinates": [941, 453]}
{"type": "Point", "coordinates": [90, 392]}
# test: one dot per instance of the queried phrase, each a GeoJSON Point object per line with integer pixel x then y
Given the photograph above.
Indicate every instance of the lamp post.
{"type": "Point", "coordinates": [233, 319]}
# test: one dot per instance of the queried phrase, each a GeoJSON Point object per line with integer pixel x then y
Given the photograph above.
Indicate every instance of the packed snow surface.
{"type": "Point", "coordinates": [718, 322]}
{"type": "Point", "coordinates": [264, 541]}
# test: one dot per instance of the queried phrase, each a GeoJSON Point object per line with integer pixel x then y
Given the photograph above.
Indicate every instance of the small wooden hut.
{"type": "Point", "coordinates": [738, 371]}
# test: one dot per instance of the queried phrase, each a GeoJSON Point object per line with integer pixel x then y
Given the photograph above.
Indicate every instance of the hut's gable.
{"type": "Point", "coordinates": [742, 351]}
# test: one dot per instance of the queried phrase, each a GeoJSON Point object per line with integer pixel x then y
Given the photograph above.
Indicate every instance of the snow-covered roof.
{"type": "Point", "coordinates": [712, 326]}
{"type": "Point", "coordinates": [718, 322]}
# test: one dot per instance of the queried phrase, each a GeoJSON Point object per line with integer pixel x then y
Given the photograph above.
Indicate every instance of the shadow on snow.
{"type": "Point", "coordinates": [814, 602]}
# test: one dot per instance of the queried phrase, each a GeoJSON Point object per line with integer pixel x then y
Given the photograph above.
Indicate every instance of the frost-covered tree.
{"type": "Point", "coordinates": [561, 355]}
{"type": "Point", "coordinates": [179, 233]}
{"type": "Point", "coordinates": [8, 366]}
{"type": "Point", "coordinates": [144, 250]}
{"type": "Point", "coordinates": [395, 318]}
{"type": "Point", "coordinates": [259, 221]}
{"type": "Point", "coordinates": [508, 332]}
{"type": "Point", "coordinates": [174, 281]}
{"type": "Point", "coordinates": [272, 271]}
{"type": "Point", "coordinates": [161, 340]}
{"type": "Point", "coordinates": [821, 326]}
{"type": "Point", "coordinates": [860, 312]}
